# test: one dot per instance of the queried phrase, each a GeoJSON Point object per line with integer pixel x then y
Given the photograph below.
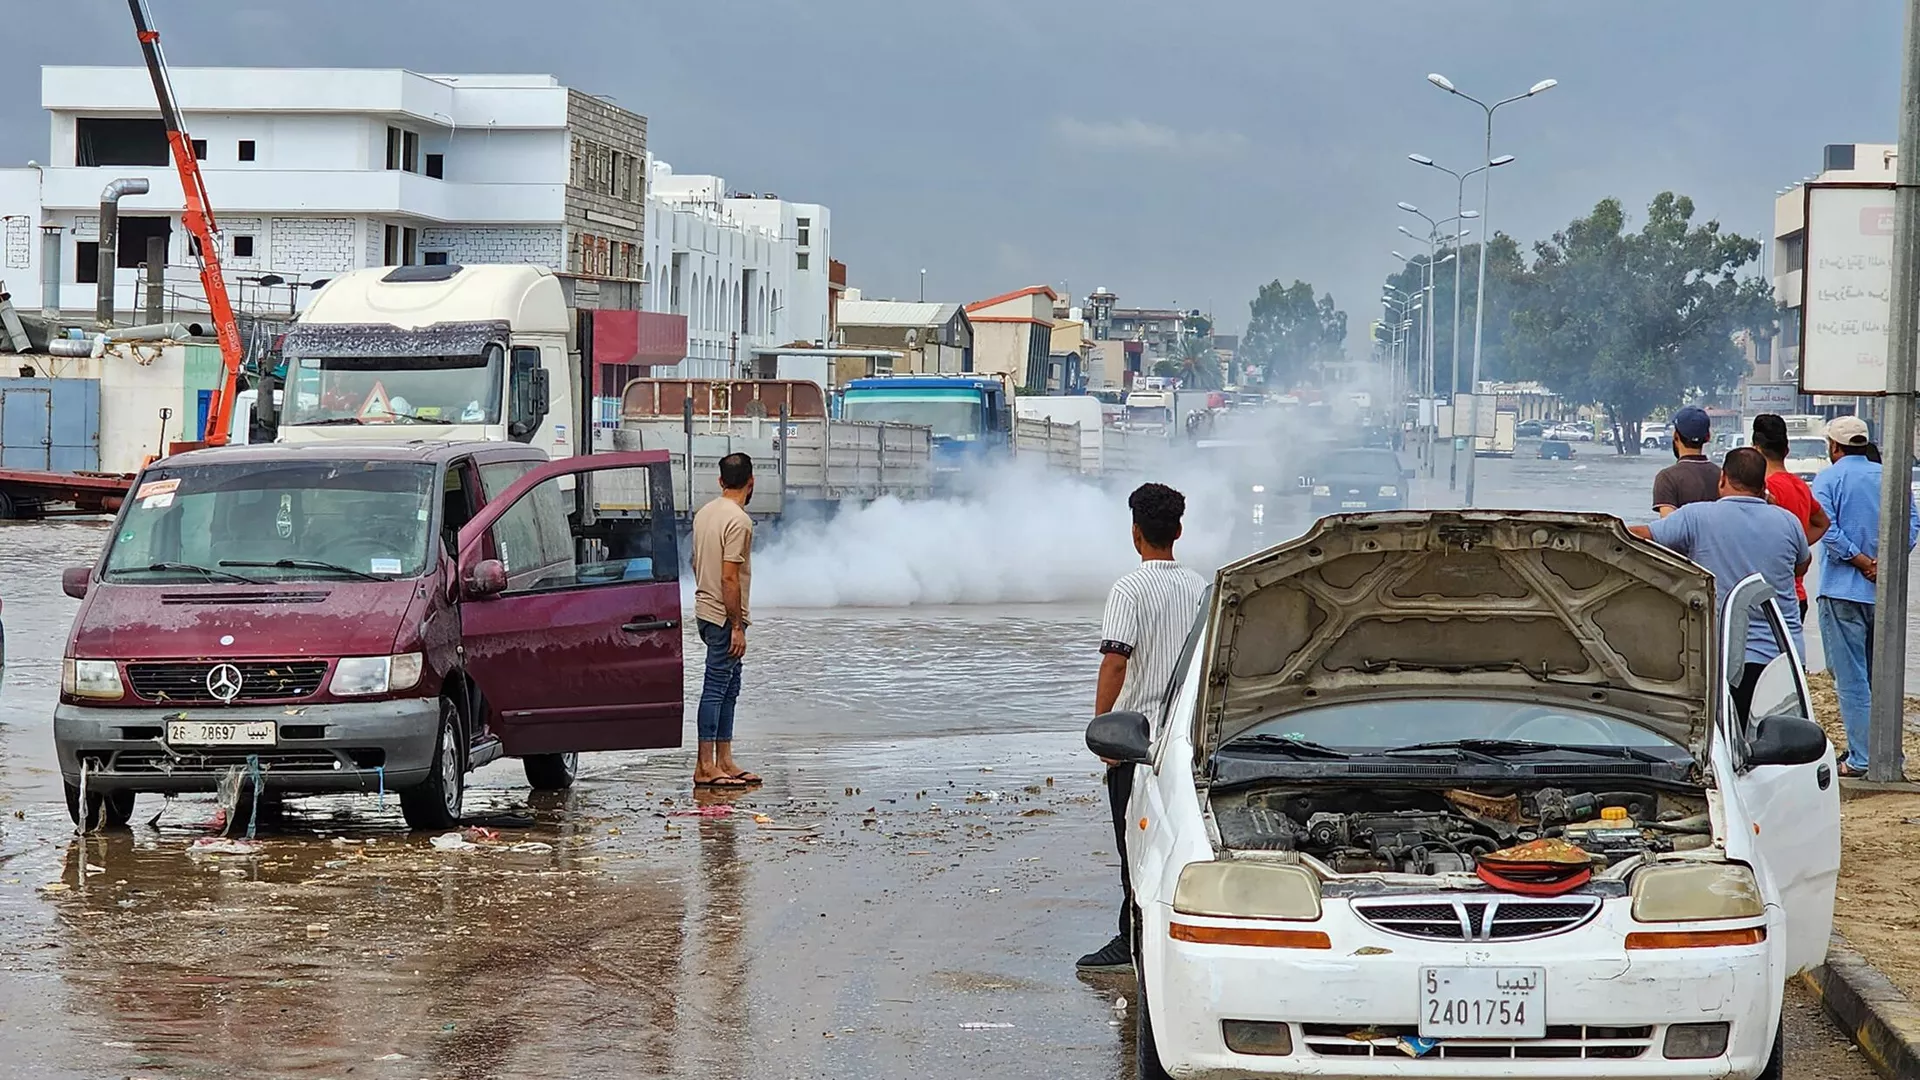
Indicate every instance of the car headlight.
{"type": "Point", "coordinates": [1696, 893]}
{"type": "Point", "coordinates": [1388, 491]}
{"type": "Point", "coordinates": [90, 678]}
{"type": "Point", "coordinates": [359, 676]}
{"type": "Point", "coordinates": [1322, 490]}
{"type": "Point", "coordinates": [1259, 489]}
{"type": "Point", "coordinates": [1247, 890]}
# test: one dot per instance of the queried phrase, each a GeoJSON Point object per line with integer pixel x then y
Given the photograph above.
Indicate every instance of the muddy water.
{"type": "Point", "coordinates": [930, 852]}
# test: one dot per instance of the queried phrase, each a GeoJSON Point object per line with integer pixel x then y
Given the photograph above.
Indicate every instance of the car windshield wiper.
{"type": "Point", "coordinates": [184, 568]}
{"type": "Point", "coordinates": [1459, 749]}
{"type": "Point", "coordinates": [1281, 744]}
{"type": "Point", "coordinates": [306, 564]}
{"type": "Point", "coordinates": [328, 422]}
{"type": "Point", "coordinates": [1497, 748]}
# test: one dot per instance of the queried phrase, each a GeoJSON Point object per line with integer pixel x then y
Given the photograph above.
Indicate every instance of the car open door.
{"type": "Point", "coordinates": [1791, 813]}
{"type": "Point", "coordinates": [570, 606]}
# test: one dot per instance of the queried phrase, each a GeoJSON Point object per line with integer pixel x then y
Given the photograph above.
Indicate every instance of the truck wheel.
{"type": "Point", "coordinates": [434, 803]}
{"type": "Point", "coordinates": [105, 809]}
{"type": "Point", "coordinates": [8, 510]}
{"type": "Point", "coordinates": [551, 772]}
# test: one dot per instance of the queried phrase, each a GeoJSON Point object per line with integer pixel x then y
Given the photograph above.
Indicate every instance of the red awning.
{"type": "Point", "coordinates": [639, 337]}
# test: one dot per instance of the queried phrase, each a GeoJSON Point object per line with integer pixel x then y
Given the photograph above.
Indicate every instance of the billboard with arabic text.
{"type": "Point", "coordinates": [1846, 289]}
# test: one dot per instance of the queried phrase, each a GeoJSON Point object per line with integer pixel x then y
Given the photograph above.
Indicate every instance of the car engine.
{"type": "Point", "coordinates": [1413, 831]}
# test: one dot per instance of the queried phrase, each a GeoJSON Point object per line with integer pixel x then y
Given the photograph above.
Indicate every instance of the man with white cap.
{"type": "Point", "coordinates": [1849, 492]}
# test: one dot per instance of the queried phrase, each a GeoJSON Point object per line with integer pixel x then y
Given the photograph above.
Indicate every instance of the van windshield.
{"type": "Point", "coordinates": [275, 521]}
{"type": "Point", "coordinates": [1806, 448]}
{"type": "Point", "coordinates": [395, 389]}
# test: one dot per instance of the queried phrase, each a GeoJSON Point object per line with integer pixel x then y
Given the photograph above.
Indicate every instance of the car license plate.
{"type": "Point", "coordinates": [1350, 505]}
{"type": "Point", "coordinates": [215, 733]}
{"type": "Point", "coordinates": [1483, 1003]}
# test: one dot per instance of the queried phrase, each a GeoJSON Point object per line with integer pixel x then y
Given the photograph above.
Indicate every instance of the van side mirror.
{"type": "Point", "coordinates": [1786, 740]}
{"type": "Point", "coordinates": [1125, 737]}
{"type": "Point", "coordinates": [74, 581]}
{"type": "Point", "coordinates": [487, 578]}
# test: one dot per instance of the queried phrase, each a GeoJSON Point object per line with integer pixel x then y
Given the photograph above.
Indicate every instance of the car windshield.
{"type": "Point", "coordinates": [267, 521]}
{"type": "Point", "coordinates": [1371, 726]}
{"type": "Point", "coordinates": [1383, 465]}
{"type": "Point", "coordinates": [1806, 448]}
{"type": "Point", "coordinates": [395, 389]}
{"type": "Point", "coordinates": [953, 416]}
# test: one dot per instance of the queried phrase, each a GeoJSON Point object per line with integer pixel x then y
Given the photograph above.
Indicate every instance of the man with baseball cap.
{"type": "Point", "coordinates": [1849, 491]}
{"type": "Point", "coordinates": [1691, 478]}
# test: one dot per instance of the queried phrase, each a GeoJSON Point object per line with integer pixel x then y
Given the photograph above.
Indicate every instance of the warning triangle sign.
{"type": "Point", "coordinates": [377, 406]}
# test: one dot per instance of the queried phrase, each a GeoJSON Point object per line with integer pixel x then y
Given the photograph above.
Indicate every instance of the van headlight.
{"type": "Point", "coordinates": [90, 678]}
{"type": "Point", "coordinates": [1322, 490]}
{"type": "Point", "coordinates": [1696, 893]}
{"type": "Point", "coordinates": [1247, 890]}
{"type": "Point", "coordinates": [359, 676]}
{"type": "Point", "coordinates": [1388, 491]}
{"type": "Point", "coordinates": [1259, 489]}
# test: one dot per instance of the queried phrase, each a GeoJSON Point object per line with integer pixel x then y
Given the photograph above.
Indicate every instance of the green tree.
{"type": "Point", "coordinates": [1638, 320]}
{"type": "Point", "coordinates": [1504, 278]}
{"type": "Point", "coordinates": [1196, 364]}
{"type": "Point", "coordinates": [1291, 333]}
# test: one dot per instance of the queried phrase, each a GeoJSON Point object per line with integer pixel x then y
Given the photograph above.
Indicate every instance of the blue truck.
{"type": "Point", "coordinates": [971, 416]}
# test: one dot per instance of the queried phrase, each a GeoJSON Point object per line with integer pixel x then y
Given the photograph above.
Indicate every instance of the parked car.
{"type": "Point", "coordinates": [1571, 433]}
{"type": "Point", "coordinates": [1351, 480]}
{"type": "Point", "coordinates": [341, 617]}
{"type": "Point", "coordinates": [1556, 448]}
{"type": "Point", "coordinates": [1656, 438]}
{"type": "Point", "coordinates": [1529, 429]}
{"type": "Point", "coordinates": [1366, 714]}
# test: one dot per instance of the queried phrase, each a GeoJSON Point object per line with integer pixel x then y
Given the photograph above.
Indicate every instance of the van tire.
{"type": "Point", "coordinates": [551, 772]}
{"type": "Point", "coordinates": [435, 802]}
{"type": "Point", "coordinates": [105, 809]}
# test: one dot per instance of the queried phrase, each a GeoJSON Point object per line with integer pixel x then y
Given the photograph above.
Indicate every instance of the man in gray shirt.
{"type": "Point", "coordinates": [1736, 536]}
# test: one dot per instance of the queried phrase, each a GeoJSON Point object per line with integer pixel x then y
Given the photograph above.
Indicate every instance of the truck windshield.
{"type": "Point", "coordinates": [951, 416]}
{"type": "Point", "coordinates": [275, 521]}
{"type": "Point", "coordinates": [1149, 414]}
{"type": "Point", "coordinates": [1806, 448]}
{"type": "Point", "coordinates": [395, 390]}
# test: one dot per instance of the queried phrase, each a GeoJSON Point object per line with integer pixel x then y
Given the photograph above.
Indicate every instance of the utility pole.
{"type": "Point", "coordinates": [1889, 654]}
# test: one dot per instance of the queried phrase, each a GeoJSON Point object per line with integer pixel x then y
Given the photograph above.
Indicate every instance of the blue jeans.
{"type": "Point", "coordinates": [722, 686]}
{"type": "Point", "coordinates": [1846, 636]}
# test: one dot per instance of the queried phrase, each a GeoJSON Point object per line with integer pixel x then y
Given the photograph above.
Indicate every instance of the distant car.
{"type": "Point", "coordinates": [1655, 441]}
{"type": "Point", "coordinates": [1355, 480]}
{"type": "Point", "coordinates": [1571, 433]}
{"type": "Point", "coordinates": [1530, 429]}
{"type": "Point", "coordinates": [1556, 448]}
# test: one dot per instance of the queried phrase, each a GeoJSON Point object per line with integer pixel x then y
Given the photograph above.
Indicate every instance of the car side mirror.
{"type": "Point", "coordinates": [487, 578]}
{"type": "Point", "coordinates": [1786, 740]}
{"type": "Point", "coordinates": [1125, 737]}
{"type": "Point", "coordinates": [74, 581]}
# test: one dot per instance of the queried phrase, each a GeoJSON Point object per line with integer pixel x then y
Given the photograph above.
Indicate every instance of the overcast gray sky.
{"type": "Point", "coordinates": [1172, 152]}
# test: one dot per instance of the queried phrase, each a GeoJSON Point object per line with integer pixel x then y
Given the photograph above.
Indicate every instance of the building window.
{"type": "Point", "coordinates": [199, 149]}
{"type": "Point", "coordinates": [116, 141]}
{"type": "Point", "coordinates": [246, 149]}
{"type": "Point", "coordinates": [435, 258]}
{"type": "Point", "coordinates": [243, 247]}
{"type": "Point", "coordinates": [393, 148]}
{"type": "Point", "coordinates": [800, 261]}
{"type": "Point", "coordinates": [437, 166]}
{"type": "Point", "coordinates": [401, 247]}
{"type": "Point", "coordinates": [805, 232]}
{"type": "Point", "coordinates": [409, 152]}
{"type": "Point", "coordinates": [86, 262]}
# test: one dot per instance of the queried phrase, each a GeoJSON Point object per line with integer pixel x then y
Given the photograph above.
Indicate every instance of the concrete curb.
{"type": "Point", "coordinates": [1874, 1013]}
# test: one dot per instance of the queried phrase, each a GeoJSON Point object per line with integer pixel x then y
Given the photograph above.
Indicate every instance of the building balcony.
{"type": "Point", "coordinates": [352, 193]}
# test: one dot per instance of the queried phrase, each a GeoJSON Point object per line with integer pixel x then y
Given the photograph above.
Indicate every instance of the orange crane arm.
{"type": "Point", "coordinates": [200, 224]}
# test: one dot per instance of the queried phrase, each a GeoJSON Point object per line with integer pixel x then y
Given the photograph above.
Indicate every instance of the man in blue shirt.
{"type": "Point", "coordinates": [1849, 491]}
{"type": "Point", "coordinates": [1737, 535]}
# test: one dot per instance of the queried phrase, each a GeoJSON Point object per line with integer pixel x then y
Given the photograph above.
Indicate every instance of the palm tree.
{"type": "Point", "coordinates": [1196, 364]}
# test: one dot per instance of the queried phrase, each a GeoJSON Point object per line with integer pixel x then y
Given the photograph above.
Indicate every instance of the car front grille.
{"type": "Point", "coordinates": [1477, 919]}
{"type": "Point", "coordinates": [1563, 1041]}
{"type": "Point", "coordinates": [213, 761]}
{"type": "Point", "coordinates": [260, 680]}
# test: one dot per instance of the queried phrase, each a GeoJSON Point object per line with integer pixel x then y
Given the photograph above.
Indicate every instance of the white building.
{"type": "Point", "coordinates": [1855, 163]}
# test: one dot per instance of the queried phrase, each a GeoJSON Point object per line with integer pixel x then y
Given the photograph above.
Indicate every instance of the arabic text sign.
{"type": "Point", "coordinates": [1849, 284]}
{"type": "Point", "coordinates": [1778, 398]}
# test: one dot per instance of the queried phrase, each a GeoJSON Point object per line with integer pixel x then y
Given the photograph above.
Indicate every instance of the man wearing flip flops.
{"type": "Point", "coordinates": [723, 577]}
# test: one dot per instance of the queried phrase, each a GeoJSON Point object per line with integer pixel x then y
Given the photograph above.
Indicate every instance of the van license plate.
{"type": "Point", "coordinates": [214, 733]}
{"type": "Point", "coordinates": [1353, 505]}
{"type": "Point", "coordinates": [1483, 1003]}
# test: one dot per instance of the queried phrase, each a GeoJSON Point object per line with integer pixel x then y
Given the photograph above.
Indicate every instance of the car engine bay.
{"type": "Point", "coordinates": [1429, 831]}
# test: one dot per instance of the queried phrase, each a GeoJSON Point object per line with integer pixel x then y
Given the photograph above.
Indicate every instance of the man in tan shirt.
{"type": "Point", "coordinates": [723, 576]}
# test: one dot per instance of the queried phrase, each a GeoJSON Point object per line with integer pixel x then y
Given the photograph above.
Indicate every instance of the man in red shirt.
{"type": "Point", "coordinates": [1787, 490]}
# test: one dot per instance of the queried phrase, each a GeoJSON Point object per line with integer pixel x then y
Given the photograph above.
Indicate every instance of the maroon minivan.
{"type": "Point", "coordinates": [377, 617]}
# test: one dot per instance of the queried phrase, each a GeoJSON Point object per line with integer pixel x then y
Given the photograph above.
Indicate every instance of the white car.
{"type": "Point", "coordinates": [1368, 710]}
{"type": "Point", "coordinates": [1571, 433]}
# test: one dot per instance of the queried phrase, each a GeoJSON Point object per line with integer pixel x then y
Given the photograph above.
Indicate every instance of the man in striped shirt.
{"type": "Point", "coordinates": [1149, 615]}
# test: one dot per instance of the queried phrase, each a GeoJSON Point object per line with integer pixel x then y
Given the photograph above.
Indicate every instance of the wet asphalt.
{"type": "Point", "coordinates": [904, 897]}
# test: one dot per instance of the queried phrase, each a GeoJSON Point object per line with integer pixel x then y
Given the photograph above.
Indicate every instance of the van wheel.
{"type": "Point", "coordinates": [551, 772]}
{"type": "Point", "coordinates": [434, 803]}
{"type": "Point", "coordinates": [105, 809]}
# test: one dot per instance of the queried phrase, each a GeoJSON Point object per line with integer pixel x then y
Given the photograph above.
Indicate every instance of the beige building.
{"type": "Point", "coordinates": [937, 339]}
{"type": "Point", "coordinates": [1013, 335]}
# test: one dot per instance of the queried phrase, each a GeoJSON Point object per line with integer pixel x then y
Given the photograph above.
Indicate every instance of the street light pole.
{"type": "Point", "coordinates": [1888, 660]}
{"type": "Point", "coordinates": [1432, 359]}
{"type": "Point", "coordinates": [1486, 239]}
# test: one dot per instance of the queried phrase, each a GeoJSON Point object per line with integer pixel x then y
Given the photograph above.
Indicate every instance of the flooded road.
{"type": "Point", "coordinates": [904, 897]}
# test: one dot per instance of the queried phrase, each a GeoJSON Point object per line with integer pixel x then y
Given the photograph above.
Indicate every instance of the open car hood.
{"type": "Point", "coordinates": [1545, 605]}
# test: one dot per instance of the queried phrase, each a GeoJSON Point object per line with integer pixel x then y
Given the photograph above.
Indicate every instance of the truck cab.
{"type": "Point", "coordinates": [446, 353]}
{"type": "Point", "coordinates": [368, 617]}
{"type": "Point", "coordinates": [971, 417]}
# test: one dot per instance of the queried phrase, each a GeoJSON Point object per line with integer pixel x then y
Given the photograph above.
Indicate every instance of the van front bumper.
{"type": "Point", "coordinates": [357, 746]}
